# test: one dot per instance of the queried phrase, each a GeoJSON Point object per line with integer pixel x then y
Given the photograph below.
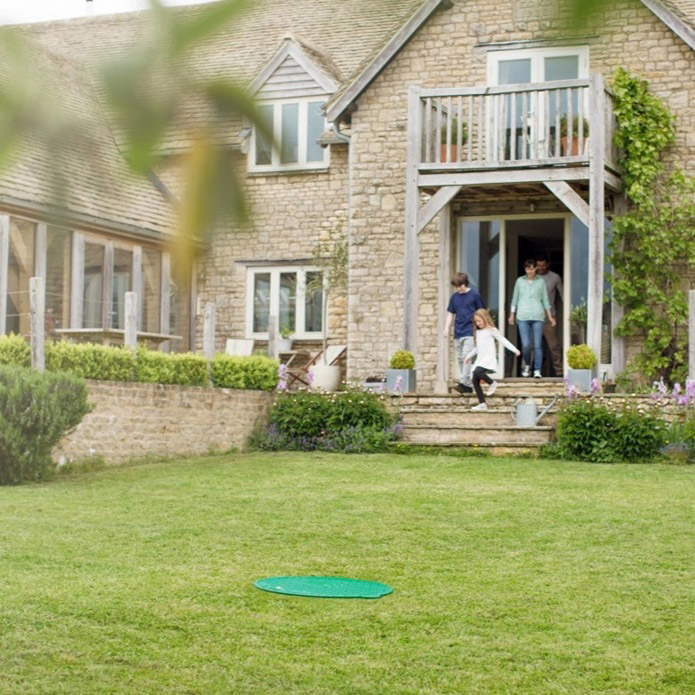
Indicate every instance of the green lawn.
{"type": "Point", "coordinates": [509, 576]}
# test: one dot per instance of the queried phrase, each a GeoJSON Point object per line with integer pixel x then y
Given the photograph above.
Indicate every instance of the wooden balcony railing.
{"type": "Point", "coordinates": [519, 125]}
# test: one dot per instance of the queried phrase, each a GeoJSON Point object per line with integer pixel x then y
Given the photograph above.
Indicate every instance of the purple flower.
{"type": "Point", "coordinates": [683, 400]}
{"type": "Point", "coordinates": [595, 386]}
{"type": "Point", "coordinates": [310, 377]}
{"type": "Point", "coordinates": [573, 391]}
{"type": "Point", "coordinates": [398, 386]}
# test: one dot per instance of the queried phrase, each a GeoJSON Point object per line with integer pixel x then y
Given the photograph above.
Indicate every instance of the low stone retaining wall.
{"type": "Point", "coordinates": [131, 421]}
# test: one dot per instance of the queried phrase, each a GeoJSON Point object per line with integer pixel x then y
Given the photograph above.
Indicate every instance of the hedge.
{"type": "Point", "coordinates": [108, 363]}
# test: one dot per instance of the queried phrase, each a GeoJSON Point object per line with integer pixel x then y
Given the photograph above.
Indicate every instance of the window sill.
{"type": "Point", "coordinates": [255, 173]}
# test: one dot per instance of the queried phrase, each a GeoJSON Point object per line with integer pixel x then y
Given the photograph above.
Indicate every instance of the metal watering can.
{"type": "Point", "coordinates": [525, 411]}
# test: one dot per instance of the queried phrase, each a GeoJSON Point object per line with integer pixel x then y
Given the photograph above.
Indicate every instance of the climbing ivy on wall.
{"type": "Point", "coordinates": [653, 244]}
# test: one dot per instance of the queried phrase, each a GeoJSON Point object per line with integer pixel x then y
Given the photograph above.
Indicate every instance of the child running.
{"type": "Point", "coordinates": [485, 352]}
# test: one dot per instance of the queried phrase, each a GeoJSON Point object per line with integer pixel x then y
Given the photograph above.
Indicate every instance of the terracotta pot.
{"type": "Point", "coordinates": [453, 153]}
{"type": "Point", "coordinates": [575, 147]}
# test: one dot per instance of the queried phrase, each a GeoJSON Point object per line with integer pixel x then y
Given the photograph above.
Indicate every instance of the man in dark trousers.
{"type": "Point", "coordinates": [554, 284]}
{"type": "Point", "coordinates": [464, 302]}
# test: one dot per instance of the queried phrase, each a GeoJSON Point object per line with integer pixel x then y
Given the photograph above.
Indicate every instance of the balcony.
{"type": "Point", "coordinates": [504, 133]}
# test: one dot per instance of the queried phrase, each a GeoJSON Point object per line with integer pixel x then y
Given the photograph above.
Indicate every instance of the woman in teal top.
{"type": "Point", "coordinates": [530, 306]}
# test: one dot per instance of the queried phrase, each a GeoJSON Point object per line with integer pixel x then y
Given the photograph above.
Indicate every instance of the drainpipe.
{"type": "Point", "coordinates": [348, 141]}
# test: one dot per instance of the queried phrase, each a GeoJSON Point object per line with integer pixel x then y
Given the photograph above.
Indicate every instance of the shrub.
{"type": "Point", "coordinates": [185, 369]}
{"type": "Point", "coordinates": [589, 431]}
{"type": "Point", "coordinates": [90, 361]}
{"type": "Point", "coordinates": [350, 421]}
{"type": "Point", "coordinates": [14, 350]}
{"type": "Point", "coordinates": [244, 372]}
{"type": "Point", "coordinates": [402, 359]}
{"type": "Point", "coordinates": [36, 411]}
{"type": "Point", "coordinates": [581, 357]}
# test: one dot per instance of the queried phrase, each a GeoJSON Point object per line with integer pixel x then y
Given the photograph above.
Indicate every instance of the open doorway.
{"type": "Point", "coordinates": [529, 238]}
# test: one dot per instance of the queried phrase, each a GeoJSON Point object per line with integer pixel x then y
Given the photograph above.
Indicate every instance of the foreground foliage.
{"type": "Point", "coordinates": [509, 577]}
{"type": "Point", "coordinates": [36, 411]}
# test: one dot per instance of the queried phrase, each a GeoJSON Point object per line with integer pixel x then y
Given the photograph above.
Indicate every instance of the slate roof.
{"type": "Point", "coordinates": [683, 9]}
{"type": "Point", "coordinates": [101, 190]}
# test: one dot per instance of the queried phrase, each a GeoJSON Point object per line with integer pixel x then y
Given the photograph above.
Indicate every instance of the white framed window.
{"type": "Point", "coordinates": [282, 291]}
{"type": "Point", "coordinates": [297, 124]}
{"type": "Point", "coordinates": [538, 65]}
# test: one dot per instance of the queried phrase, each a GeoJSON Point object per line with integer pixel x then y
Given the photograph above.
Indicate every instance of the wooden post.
{"type": "Point", "coordinates": [273, 332]}
{"type": "Point", "coordinates": [77, 280]}
{"type": "Point", "coordinates": [131, 320]}
{"type": "Point", "coordinates": [597, 213]}
{"type": "Point", "coordinates": [412, 203]}
{"type": "Point", "coordinates": [443, 344]}
{"type": "Point", "coordinates": [38, 318]}
{"type": "Point", "coordinates": [209, 330]}
{"type": "Point", "coordinates": [618, 342]}
{"type": "Point", "coordinates": [691, 334]}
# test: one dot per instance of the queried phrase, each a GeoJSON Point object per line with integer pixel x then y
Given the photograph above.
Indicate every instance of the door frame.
{"type": "Point", "coordinates": [502, 280]}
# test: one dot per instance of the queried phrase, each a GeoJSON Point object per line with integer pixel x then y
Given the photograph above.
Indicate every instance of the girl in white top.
{"type": "Point", "coordinates": [485, 353]}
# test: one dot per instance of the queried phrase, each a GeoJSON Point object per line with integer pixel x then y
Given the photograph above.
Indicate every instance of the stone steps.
{"type": "Point", "coordinates": [471, 435]}
{"type": "Point", "coordinates": [462, 415]}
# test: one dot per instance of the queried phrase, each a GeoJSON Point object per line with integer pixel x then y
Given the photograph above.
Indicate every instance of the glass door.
{"type": "Point", "coordinates": [481, 257]}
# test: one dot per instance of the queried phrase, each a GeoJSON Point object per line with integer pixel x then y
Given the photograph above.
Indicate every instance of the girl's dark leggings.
{"type": "Point", "coordinates": [481, 374]}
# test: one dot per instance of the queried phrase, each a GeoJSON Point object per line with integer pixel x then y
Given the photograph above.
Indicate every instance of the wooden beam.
{"type": "Point", "coordinates": [435, 205]}
{"type": "Point", "coordinates": [691, 334]}
{"type": "Point", "coordinates": [40, 250]}
{"type": "Point", "coordinates": [363, 80]}
{"type": "Point", "coordinates": [138, 284]}
{"type": "Point", "coordinates": [4, 271]}
{"type": "Point", "coordinates": [570, 198]}
{"type": "Point", "coordinates": [165, 300]}
{"type": "Point", "coordinates": [411, 247]}
{"type": "Point", "coordinates": [444, 270]}
{"type": "Point", "coordinates": [596, 213]}
{"type": "Point", "coordinates": [618, 358]}
{"type": "Point", "coordinates": [674, 23]}
{"type": "Point", "coordinates": [483, 178]}
{"type": "Point", "coordinates": [77, 280]}
{"type": "Point", "coordinates": [37, 303]}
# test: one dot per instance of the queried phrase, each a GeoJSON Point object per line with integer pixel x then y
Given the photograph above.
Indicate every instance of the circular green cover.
{"type": "Point", "coordinates": [324, 587]}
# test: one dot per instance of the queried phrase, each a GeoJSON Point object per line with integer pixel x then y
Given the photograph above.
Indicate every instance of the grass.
{"type": "Point", "coordinates": [510, 577]}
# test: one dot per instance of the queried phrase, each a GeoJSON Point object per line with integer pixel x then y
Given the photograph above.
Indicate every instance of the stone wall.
{"type": "Point", "coordinates": [131, 421]}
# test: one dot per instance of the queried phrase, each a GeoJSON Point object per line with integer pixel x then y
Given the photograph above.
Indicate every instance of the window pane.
{"type": "Point", "coordinates": [180, 310]}
{"type": "Point", "coordinates": [561, 68]}
{"type": "Point", "coordinates": [93, 292]}
{"type": "Point", "coordinates": [480, 259]}
{"type": "Point", "coordinates": [263, 144]}
{"type": "Point", "coordinates": [514, 71]}
{"type": "Point", "coordinates": [315, 126]}
{"type": "Point", "coordinates": [314, 303]}
{"type": "Point", "coordinates": [58, 259]}
{"type": "Point", "coordinates": [20, 269]}
{"type": "Point", "coordinates": [151, 290]}
{"type": "Point", "coordinates": [122, 283]}
{"type": "Point", "coordinates": [261, 302]}
{"type": "Point", "coordinates": [288, 301]}
{"type": "Point", "coordinates": [289, 149]}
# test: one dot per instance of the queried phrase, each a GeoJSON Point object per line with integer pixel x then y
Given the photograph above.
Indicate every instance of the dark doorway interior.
{"type": "Point", "coordinates": [526, 239]}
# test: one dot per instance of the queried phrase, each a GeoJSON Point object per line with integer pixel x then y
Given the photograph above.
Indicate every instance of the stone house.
{"type": "Point", "coordinates": [434, 131]}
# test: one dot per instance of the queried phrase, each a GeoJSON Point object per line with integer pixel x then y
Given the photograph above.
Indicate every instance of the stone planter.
{"type": "Point", "coordinates": [581, 378]}
{"type": "Point", "coordinates": [284, 344]}
{"type": "Point", "coordinates": [324, 377]}
{"type": "Point", "coordinates": [401, 380]}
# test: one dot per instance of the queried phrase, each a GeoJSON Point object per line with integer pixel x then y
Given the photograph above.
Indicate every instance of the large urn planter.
{"type": "Point", "coordinates": [324, 377]}
{"type": "Point", "coordinates": [581, 378]}
{"type": "Point", "coordinates": [582, 367]}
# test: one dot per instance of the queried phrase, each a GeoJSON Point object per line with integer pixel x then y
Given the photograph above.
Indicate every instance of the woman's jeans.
{"type": "Point", "coordinates": [531, 334]}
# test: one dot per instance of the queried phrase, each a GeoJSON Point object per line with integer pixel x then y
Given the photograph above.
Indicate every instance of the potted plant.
{"type": "Point", "coordinates": [582, 361]}
{"type": "Point", "coordinates": [285, 339]}
{"type": "Point", "coordinates": [564, 135]}
{"type": "Point", "coordinates": [578, 320]}
{"type": "Point", "coordinates": [331, 257]}
{"type": "Point", "coordinates": [453, 147]}
{"type": "Point", "coordinates": [401, 377]}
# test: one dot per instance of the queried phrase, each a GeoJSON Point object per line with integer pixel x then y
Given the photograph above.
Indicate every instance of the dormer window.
{"type": "Point", "coordinates": [297, 124]}
{"type": "Point", "coordinates": [290, 93]}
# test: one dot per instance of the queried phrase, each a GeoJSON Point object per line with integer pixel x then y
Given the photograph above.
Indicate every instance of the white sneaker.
{"type": "Point", "coordinates": [536, 373]}
{"type": "Point", "coordinates": [480, 406]}
{"type": "Point", "coordinates": [526, 371]}
{"type": "Point", "coordinates": [491, 388]}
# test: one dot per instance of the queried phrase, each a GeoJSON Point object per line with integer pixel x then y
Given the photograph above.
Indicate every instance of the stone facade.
{"type": "Point", "coordinates": [132, 421]}
{"type": "Point", "coordinates": [451, 50]}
